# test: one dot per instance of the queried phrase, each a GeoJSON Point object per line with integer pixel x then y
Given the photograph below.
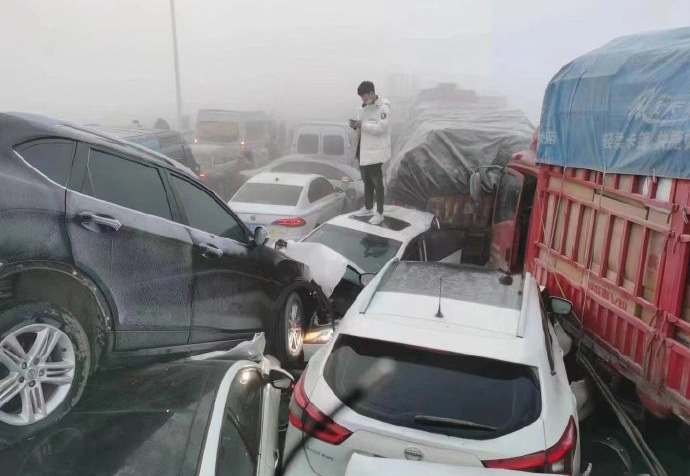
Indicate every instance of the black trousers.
{"type": "Point", "coordinates": [372, 175]}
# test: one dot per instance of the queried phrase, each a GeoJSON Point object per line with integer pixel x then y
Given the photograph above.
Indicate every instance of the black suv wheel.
{"type": "Point", "coordinates": [44, 364]}
{"type": "Point", "coordinates": [290, 331]}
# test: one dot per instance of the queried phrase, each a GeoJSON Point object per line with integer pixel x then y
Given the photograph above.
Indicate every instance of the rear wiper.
{"type": "Point", "coordinates": [451, 422]}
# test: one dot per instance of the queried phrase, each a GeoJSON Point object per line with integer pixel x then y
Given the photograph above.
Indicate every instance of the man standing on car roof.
{"type": "Point", "coordinates": [373, 148]}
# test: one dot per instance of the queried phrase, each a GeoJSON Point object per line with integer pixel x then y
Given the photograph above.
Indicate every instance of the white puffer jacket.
{"type": "Point", "coordinates": [375, 145]}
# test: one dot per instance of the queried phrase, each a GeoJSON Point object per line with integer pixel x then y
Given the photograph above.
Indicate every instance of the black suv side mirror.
{"type": "Point", "coordinates": [280, 379]}
{"type": "Point", "coordinates": [260, 235]}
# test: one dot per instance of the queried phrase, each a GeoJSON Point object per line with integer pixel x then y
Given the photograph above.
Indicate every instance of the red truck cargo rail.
{"type": "Point", "coordinates": [618, 246]}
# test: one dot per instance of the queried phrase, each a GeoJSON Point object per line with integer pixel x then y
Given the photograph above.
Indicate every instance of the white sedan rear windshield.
{"type": "Point", "coordinates": [268, 194]}
{"type": "Point", "coordinates": [451, 394]}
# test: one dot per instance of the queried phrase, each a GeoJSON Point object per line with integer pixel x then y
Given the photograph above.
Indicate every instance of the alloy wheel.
{"type": "Point", "coordinates": [37, 366]}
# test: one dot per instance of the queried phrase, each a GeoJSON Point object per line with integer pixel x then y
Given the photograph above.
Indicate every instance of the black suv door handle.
{"type": "Point", "coordinates": [209, 251]}
{"type": "Point", "coordinates": [95, 222]}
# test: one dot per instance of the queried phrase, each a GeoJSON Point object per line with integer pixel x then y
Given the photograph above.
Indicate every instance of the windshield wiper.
{"type": "Point", "coordinates": [452, 423]}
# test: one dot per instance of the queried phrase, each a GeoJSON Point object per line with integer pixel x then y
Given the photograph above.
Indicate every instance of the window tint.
{"type": "Point", "coordinates": [126, 183]}
{"type": "Point", "coordinates": [507, 198]}
{"type": "Point", "coordinates": [333, 145]}
{"type": "Point", "coordinates": [501, 396]}
{"type": "Point", "coordinates": [308, 144]}
{"type": "Point", "coordinates": [149, 142]}
{"type": "Point", "coordinates": [268, 194]}
{"type": "Point", "coordinates": [255, 130]}
{"type": "Point", "coordinates": [320, 188]}
{"type": "Point", "coordinates": [52, 158]}
{"type": "Point", "coordinates": [205, 213]}
{"type": "Point", "coordinates": [412, 252]}
{"type": "Point", "coordinates": [238, 448]}
{"type": "Point", "coordinates": [369, 252]}
{"type": "Point", "coordinates": [170, 140]}
{"type": "Point", "coordinates": [328, 171]}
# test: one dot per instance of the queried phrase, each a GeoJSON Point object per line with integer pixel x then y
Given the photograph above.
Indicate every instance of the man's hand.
{"type": "Point", "coordinates": [355, 124]}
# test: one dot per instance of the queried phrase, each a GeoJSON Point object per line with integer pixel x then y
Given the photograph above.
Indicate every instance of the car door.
{"type": "Point", "coordinates": [325, 201]}
{"type": "Point", "coordinates": [235, 285]}
{"type": "Point", "coordinates": [122, 232]}
{"type": "Point", "coordinates": [335, 143]}
{"type": "Point", "coordinates": [242, 435]}
{"type": "Point", "coordinates": [504, 241]}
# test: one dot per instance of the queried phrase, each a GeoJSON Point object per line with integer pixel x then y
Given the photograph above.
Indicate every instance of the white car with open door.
{"type": "Point", "coordinates": [477, 377]}
{"type": "Point", "coordinates": [288, 205]}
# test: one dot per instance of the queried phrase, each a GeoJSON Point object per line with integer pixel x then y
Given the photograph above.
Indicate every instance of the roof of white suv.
{"type": "Point", "coordinates": [399, 223]}
{"type": "Point", "coordinates": [481, 311]}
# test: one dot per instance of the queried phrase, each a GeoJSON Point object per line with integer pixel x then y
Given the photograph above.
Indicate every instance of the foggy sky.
{"type": "Point", "coordinates": [111, 61]}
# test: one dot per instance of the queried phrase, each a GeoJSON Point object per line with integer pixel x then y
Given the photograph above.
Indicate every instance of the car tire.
{"type": "Point", "coordinates": [45, 360]}
{"type": "Point", "coordinates": [290, 331]}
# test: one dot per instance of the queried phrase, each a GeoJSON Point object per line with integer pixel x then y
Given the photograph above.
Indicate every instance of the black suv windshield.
{"type": "Point", "coordinates": [451, 394]}
{"type": "Point", "coordinates": [369, 252]}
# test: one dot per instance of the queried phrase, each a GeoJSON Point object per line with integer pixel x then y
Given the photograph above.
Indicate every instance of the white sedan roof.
{"type": "Point", "coordinates": [480, 315]}
{"type": "Point", "coordinates": [418, 222]}
{"type": "Point", "coordinates": [301, 180]}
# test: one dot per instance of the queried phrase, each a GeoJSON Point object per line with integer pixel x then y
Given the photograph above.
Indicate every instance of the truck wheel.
{"type": "Point", "coordinates": [290, 332]}
{"type": "Point", "coordinates": [45, 360]}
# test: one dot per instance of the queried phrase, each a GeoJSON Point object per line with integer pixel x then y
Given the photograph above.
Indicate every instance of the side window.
{"type": "Point", "coordinates": [240, 437]}
{"type": "Point", "coordinates": [52, 157]}
{"type": "Point", "coordinates": [205, 213]}
{"type": "Point", "coordinates": [319, 189]}
{"type": "Point", "coordinates": [333, 145]}
{"type": "Point", "coordinates": [308, 144]}
{"type": "Point", "coordinates": [126, 183]}
{"type": "Point", "coordinates": [507, 198]}
{"type": "Point", "coordinates": [412, 251]}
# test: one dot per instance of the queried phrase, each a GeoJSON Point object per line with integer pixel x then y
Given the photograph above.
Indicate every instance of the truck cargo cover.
{"type": "Point", "coordinates": [444, 142]}
{"type": "Point", "coordinates": [623, 108]}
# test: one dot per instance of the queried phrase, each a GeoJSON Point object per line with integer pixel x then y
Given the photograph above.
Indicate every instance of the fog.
{"type": "Point", "coordinates": [111, 62]}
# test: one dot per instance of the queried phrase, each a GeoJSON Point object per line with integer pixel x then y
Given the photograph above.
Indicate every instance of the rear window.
{"type": "Point", "coordinates": [268, 194]}
{"type": "Point", "coordinates": [333, 145]}
{"type": "Point", "coordinates": [451, 394]}
{"type": "Point", "coordinates": [216, 131]}
{"type": "Point", "coordinates": [52, 157]}
{"type": "Point", "coordinates": [308, 144]}
{"type": "Point", "coordinates": [369, 252]}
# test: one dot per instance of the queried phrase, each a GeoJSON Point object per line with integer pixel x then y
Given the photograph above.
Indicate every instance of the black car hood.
{"type": "Point", "coordinates": [141, 422]}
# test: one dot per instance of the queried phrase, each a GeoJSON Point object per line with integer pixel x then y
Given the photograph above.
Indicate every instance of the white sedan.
{"type": "Point", "coordinates": [439, 363]}
{"type": "Point", "coordinates": [288, 205]}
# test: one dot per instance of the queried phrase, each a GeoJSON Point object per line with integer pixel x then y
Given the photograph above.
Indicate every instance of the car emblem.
{"type": "Point", "coordinates": [253, 217]}
{"type": "Point", "coordinates": [414, 454]}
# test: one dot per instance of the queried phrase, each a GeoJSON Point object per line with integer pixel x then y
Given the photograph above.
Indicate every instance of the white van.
{"type": "Point", "coordinates": [330, 140]}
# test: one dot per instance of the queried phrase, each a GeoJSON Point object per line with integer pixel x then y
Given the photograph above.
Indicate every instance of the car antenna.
{"type": "Point", "coordinates": [439, 313]}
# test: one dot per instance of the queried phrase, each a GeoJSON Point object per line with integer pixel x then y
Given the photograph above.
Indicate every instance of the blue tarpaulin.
{"type": "Point", "coordinates": [623, 108]}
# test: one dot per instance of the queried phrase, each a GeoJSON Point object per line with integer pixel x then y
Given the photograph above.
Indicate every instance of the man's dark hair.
{"type": "Point", "coordinates": [365, 87]}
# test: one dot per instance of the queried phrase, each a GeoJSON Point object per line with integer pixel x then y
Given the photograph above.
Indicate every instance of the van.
{"type": "Point", "coordinates": [330, 140]}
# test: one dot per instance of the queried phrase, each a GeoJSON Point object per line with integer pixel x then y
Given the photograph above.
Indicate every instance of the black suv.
{"type": "Point", "coordinates": [109, 252]}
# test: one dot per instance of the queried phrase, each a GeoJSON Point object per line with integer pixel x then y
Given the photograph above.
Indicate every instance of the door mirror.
{"type": "Point", "coordinates": [476, 186]}
{"type": "Point", "coordinates": [560, 306]}
{"type": "Point", "coordinates": [280, 379]}
{"type": "Point", "coordinates": [366, 278]}
{"type": "Point", "coordinates": [260, 235]}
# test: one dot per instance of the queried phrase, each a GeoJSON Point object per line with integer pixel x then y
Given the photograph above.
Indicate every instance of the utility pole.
{"type": "Point", "coordinates": [177, 65]}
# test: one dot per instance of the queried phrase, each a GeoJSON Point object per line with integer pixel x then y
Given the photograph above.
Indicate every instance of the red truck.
{"type": "Point", "coordinates": [605, 223]}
